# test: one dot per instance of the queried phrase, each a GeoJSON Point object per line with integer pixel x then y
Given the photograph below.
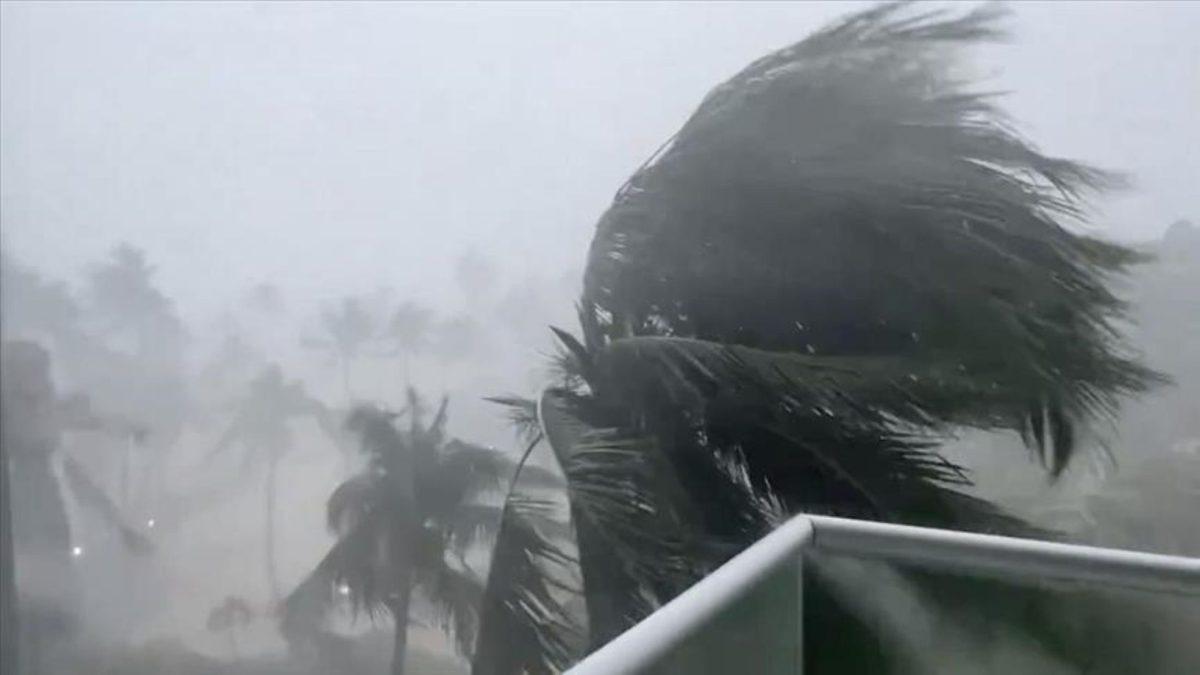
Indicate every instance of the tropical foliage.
{"type": "Point", "coordinates": [260, 427]}
{"type": "Point", "coordinates": [407, 523]}
{"type": "Point", "coordinates": [347, 329]}
{"type": "Point", "coordinates": [843, 256]}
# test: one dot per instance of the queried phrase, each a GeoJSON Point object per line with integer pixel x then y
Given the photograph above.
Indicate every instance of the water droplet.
{"type": "Point", "coordinates": [76, 551]}
{"type": "Point", "coordinates": [150, 523]}
{"type": "Point", "coordinates": [343, 590]}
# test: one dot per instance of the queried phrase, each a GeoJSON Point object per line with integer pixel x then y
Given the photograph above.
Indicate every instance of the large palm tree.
{"type": "Point", "coordinates": [261, 427]}
{"type": "Point", "coordinates": [844, 255]}
{"type": "Point", "coordinates": [407, 523]}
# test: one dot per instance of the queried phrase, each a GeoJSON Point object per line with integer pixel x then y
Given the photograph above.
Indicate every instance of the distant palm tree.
{"type": "Point", "coordinates": [260, 427]}
{"type": "Point", "coordinates": [348, 329]}
{"type": "Point", "coordinates": [405, 524]}
{"type": "Point", "coordinates": [409, 332]}
{"type": "Point", "coordinates": [843, 256]}
{"type": "Point", "coordinates": [129, 307]}
{"type": "Point", "coordinates": [476, 276]}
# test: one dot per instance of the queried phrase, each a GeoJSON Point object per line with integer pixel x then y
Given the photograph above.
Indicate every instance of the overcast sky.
{"type": "Point", "coordinates": [337, 148]}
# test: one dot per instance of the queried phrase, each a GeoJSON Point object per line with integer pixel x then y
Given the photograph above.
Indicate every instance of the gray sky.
{"type": "Point", "coordinates": [337, 148]}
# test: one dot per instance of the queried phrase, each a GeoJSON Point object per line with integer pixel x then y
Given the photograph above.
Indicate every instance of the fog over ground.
{"type": "Point", "coordinates": [283, 171]}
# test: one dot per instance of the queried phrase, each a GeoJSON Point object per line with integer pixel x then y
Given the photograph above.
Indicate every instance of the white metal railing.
{"type": "Point", "coordinates": [639, 648]}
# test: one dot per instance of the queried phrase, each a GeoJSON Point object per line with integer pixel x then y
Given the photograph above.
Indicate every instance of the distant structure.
{"type": "Point", "coordinates": [37, 531]}
{"type": "Point", "coordinates": [40, 531]}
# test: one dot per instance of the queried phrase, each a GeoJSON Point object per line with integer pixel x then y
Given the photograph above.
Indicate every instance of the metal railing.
{"type": "Point", "coordinates": [639, 648]}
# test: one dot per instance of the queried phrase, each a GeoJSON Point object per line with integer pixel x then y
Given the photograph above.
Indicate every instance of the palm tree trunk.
{"type": "Point", "coordinates": [272, 577]}
{"type": "Point", "coordinates": [399, 609]}
{"type": "Point", "coordinates": [233, 646]}
{"type": "Point", "coordinates": [403, 540]}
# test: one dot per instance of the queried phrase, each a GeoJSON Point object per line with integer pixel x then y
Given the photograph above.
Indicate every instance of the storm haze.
{"type": "Point", "coordinates": [273, 269]}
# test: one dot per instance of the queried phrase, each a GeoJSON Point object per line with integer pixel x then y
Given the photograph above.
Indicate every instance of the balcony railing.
{"type": "Point", "coordinates": [778, 557]}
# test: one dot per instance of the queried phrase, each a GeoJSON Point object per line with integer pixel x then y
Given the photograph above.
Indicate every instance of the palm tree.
{"type": "Point", "coordinates": [260, 426]}
{"type": "Point", "coordinates": [348, 328]}
{"type": "Point", "coordinates": [408, 330]}
{"type": "Point", "coordinates": [129, 307]}
{"type": "Point", "coordinates": [405, 524]}
{"type": "Point", "coordinates": [844, 255]}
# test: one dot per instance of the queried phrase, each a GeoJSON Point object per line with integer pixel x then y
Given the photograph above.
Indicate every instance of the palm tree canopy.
{"type": "Point", "coordinates": [409, 518]}
{"type": "Point", "coordinates": [261, 418]}
{"type": "Point", "coordinates": [844, 254]}
{"type": "Point", "coordinates": [349, 326]}
{"type": "Point", "coordinates": [849, 196]}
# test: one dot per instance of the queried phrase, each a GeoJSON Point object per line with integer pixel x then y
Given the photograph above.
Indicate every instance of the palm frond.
{"type": "Point", "coordinates": [455, 594]}
{"type": "Point", "coordinates": [845, 254]}
{"type": "Point", "coordinates": [631, 515]}
{"type": "Point", "coordinates": [825, 434]}
{"type": "Point", "coordinates": [350, 502]}
{"type": "Point", "coordinates": [522, 413]}
{"type": "Point", "coordinates": [846, 196]}
{"type": "Point", "coordinates": [357, 567]}
{"type": "Point", "coordinates": [524, 627]}
{"type": "Point", "coordinates": [374, 427]}
{"type": "Point", "coordinates": [471, 524]}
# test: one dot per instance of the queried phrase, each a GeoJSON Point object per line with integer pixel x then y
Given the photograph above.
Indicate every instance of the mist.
{"type": "Point", "coordinates": [226, 227]}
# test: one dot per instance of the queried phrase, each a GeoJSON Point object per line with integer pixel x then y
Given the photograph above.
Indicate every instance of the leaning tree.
{"type": "Point", "coordinates": [260, 428]}
{"type": "Point", "coordinates": [408, 524]}
{"type": "Point", "coordinates": [846, 254]}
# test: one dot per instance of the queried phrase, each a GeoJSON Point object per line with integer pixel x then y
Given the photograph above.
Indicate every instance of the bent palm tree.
{"type": "Point", "coordinates": [406, 523]}
{"type": "Point", "coordinates": [261, 427]}
{"type": "Point", "coordinates": [348, 328]}
{"type": "Point", "coordinates": [841, 257]}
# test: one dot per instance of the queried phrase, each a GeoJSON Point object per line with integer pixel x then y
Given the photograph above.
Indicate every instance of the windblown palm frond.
{"type": "Point", "coordinates": [522, 413]}
{"type": "Point", "coordinates": [524, 626]}
{"type": "Point", "coordinates": [843, 256]}
{"type": "Point", "coordinates": [848, 196]}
